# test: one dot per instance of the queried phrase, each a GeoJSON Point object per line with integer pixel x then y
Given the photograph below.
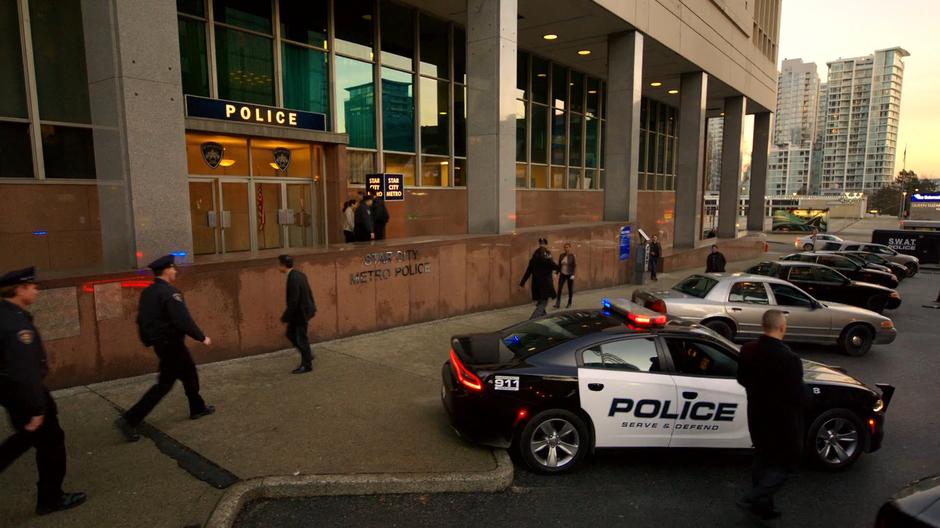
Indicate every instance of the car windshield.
{"type": "Point", "coordinates": [696, 286]}
{"type": "Point", "coordinates": [532, 337]}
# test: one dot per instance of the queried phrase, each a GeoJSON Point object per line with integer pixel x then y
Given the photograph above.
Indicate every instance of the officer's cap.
{"type": "Point", "coordinates": [17, 277]}
{"type": "Point", "coordinates": [161, 264]}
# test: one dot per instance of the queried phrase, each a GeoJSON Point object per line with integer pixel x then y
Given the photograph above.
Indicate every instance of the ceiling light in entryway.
{"type": "Point", "coordinates": [584, 52]}
{"type": "Point", "coordinates": [550, 36]}
{"type": "Point", "coordinates": [673, 92]}
{"type": "Point", "coordinates": [656, 84]}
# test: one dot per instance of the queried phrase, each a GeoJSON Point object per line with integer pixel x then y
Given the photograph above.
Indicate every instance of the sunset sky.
{"type": "Point", "coordinates": [824, 30]}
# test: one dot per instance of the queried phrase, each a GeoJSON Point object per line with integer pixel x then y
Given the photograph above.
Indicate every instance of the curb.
{"type": "Point", "coordinates": [241, 494]}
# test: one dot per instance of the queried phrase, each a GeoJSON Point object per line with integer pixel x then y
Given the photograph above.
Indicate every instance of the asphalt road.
{"type": "Point", "coordinates": [692, 488]}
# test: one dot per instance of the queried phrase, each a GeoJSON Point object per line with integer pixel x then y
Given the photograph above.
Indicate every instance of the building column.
{"type": "Point", "coordinates": [731, 166]}
{"type": "Point", "coordinates": [693, 90]}
{"type": "Point", "coordinates": [491, 121]}
{"type": "Point", "coordinates": [759, 158]}
{"type": "Point", "coordinates": [624, 92]}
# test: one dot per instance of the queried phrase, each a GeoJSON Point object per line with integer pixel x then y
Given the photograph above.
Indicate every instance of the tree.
{"type": "Point", "coordinates": [887, 200]}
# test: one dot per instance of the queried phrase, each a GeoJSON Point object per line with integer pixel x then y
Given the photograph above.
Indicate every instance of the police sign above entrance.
{"type": "Point", "coordinates": [252, 113]}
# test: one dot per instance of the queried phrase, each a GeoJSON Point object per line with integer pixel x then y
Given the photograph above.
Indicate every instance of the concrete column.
{"type": "Point", "coordinates": [759, 156]}
{"type": "Point", "coordinates": [491, 117]}
{"type": "Point", "coordinates": [693, 90]}
{"type": "Point", "coordinates": [624, 90]}
{"type": "Point", "coordinates": [132, 49]}
{"type": "Point", "coordinates": [731, 166]}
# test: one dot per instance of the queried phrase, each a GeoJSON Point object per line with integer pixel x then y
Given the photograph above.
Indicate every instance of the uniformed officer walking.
{"type": "Point", "coordinates": [31, 409]}
{"type": "Point", "coordinates": [164, 322]}
{"type": "Point", "coordinates": [772, 376]}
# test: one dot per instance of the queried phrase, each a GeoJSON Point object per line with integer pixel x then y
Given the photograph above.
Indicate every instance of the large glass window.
{"type": "Point", "coordinates": [306, 74]}
{"type": "Point", "coordinates": [305, 21]}
{"type": "Point", "coordinates": [352, 20]}
{"type": "Point", "coordinates": [59, 55]}
{"type": "Point", "coordinates": [434, 133]}
{"type": "Point", "coordinates": [16, 159]}
{"type": "Point", "coordinates": [522, 76]}
{"type": "Point", "coordinates": [435, 171]}
{"type": "Point", "coordinates": [194, 65]}
{"type": "Point", "coordinates": [574, 141]}
{"type": "Point", "coordinates": [460, 120]}
{"type": "Point", "coordinates": [355, 102]}
{"type": "Point", "coordinates": [520, 131]}
{"type": "Point", "coordinates": [361, 162]}
{"type": "Point", "coordinates": [401, 164]}
{"type": "Point", "coordinates": [559, 86]}
{"type": "Point", "coordinates": [12, 85]}
{"type": "Point", "coordinates": [434, 47]}
{"type": "Point", "coordinates": [246, 14]}
{"type": "Point", "coordinates": [577, 92]}
{"type": "Point", "coordinates": [460, 172]}
{"type": "Point", "coordinates": [398, 122]}
{"type": "Point", "coordinates": [590, 143]}
{"type": "Point", "coordinates": [245, 66]}
{"type": "Point", "coordinates": [398, 36]}
{"type": "Point", "coordinates": [68, 152]}
{"type": "Point", "coordinates": [539, 134]}
{"type": "Point", "coordinates": [558, 137]}
{"type": "Point", "coordinates": [540, 80]}
{"type": "Point", "coordinates": [460, 56]}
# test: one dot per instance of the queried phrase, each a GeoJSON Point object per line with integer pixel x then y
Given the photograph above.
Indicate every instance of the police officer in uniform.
{"type": "Point", "coordinates": [31, 409]}
{"type": "Point", "coordinates": [164, 322]}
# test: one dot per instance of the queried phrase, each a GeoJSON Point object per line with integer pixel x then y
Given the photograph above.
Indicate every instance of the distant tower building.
{"type": "Point", "coordinates": [713, 138]}
{"type": "Point", "coordinates": [790, 162]}
{"type": "Point", "coordinates": [815, 172]}
{"type": "Point", "coordinates": [863, 103]}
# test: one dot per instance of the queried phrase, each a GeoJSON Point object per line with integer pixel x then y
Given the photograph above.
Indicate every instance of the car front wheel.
{"type": "Point", "coordinates": [721, 328]}
{"type": "Point", "coordinates": [856, 340]}
{"type": "Point", "coordinates": [554, 441]}
{"type": "Point", "coordinates": [835, 440]}
{"type": "Point", "coordinates": [807, 247]}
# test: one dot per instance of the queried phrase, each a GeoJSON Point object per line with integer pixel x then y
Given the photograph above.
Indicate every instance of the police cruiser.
{"type": "Point", "coordinates": [555, 388]}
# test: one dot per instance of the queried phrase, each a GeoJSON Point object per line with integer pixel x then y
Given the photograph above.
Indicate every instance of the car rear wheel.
{"type": "Point", "coordinates": [554, 441]}
{"type": "Point", "coordinates": [807, 247]}
{"type": "Point", "coordinates": [721, 328]}
{"type": "Point", "coordinates": [856, 340]}
{"type": "Point", "coordinates": [911, 269]}
{"type": "Point", "coordinates": [876, 303]}
{"type": "Point", "coordinates": [835, 440]}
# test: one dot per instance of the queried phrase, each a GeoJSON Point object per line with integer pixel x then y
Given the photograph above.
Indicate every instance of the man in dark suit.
{"type": "Point", "coordinates": [365, 226]}
{"type": "Point", "coordinates": [540, 269]}
{"type": "Point", "coordinates": [772, 376]}
{"type": "Point", "coordinates": [163, 322]}
{"type": "Point", "coordinates": [23, 394]}
{"type": "Point", "coordinates": [715, 263]}
{"type": "Point", "coordinates": [300, 310]}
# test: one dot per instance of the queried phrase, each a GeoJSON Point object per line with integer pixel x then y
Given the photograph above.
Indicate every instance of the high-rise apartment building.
{"type": "Point", "coordinates": [713, 137]}
{"type": "Point", "coordinates": [863, 103]}
{"type": "Point", "coordinates": [789, 166]}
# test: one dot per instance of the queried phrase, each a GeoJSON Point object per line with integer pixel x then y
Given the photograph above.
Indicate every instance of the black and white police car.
{"type": "Point", "coordinates": [557, 387]}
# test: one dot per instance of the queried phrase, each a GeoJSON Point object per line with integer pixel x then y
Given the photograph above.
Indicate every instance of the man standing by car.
{"type": "Point", "coordinates": [772, 377]}
{"type": "Point", "coordinates": [300, 310]}
{"type": "Point", "coordinates": [715, 263]}
{"type": "Point", "coordinates": [656, 251]}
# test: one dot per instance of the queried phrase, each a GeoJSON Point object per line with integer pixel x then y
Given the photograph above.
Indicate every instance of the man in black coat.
{"type": "Point", "coordinates": [365, 226]}
{"type": "Point", "coordinates": [540, 268]}
{"type": "Point", "coordinates": [656, 252]}
{"type": "Point", "coordinates": [379, 217]}
{"type": "Point", "coordinates": [772, 376]}
{"type": "Point", "coordinates": [300, 310]}
{"type": "Point", "coordinates": [30, 407]}
{"type": "Point", "coordinates": [715, 263]}
{"type": "Point", "coordinates": [163, 322]}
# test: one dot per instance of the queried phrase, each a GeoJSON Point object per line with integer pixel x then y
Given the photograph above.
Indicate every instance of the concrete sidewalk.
{"type": "Point", "coordinates": [372, 405]}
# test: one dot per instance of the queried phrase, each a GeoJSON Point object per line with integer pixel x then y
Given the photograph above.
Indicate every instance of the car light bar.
{"type": "Point", "coordinates": [635, 313]}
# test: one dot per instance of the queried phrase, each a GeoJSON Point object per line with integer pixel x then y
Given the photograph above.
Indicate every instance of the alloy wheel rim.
{"type": "Point", "coordinates": [837, 441]}
{"type": "Point", "coordinates": [555, 443]}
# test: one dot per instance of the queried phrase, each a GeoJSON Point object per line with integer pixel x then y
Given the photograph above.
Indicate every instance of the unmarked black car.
{"type": "Point", "coordinates": [557, 387]}
{"type": "Point", "coordinates": [851, 267]}
{"type": "Point", "coordinates": [900, 270]}
{"type": "Point", "coordinates": [917, 505]}
{"type": "Point", "coordinates": [823, 282]}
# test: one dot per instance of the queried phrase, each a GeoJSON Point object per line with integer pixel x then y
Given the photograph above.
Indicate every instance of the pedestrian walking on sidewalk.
{"type": "Point", "coordinates": [163, 322]}
{"type": "Point", "coordinates": [656, 252]}
{"type": "Point", "coordinates": [566, 267]}
{"type": "Point", "coordinates": [300, 310]}
{"type": "Point", "coordinates": [349, 221]}
{"type": "Point", "coordinates": [540, 269]}
{"type": "Point", "coordinates": [715, 263]}
{"type": "Point", "coordinates": [364, 226]}
{"type": "Point", "coordinates": [772, 376]}
{"type": "Point", "coordinates": [30, 407]}
{"type": "Point", "coordinates": [379, 217]}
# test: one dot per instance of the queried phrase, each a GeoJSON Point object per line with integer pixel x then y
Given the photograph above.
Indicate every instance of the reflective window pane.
{"type": "Point", "coordinates": [360, 163]}
{"type": "Point", "coordinates": [521, 177]}
{"type": "Point", "coordinates": [263, 162]}
{"type": "Point", "coordinates": [540, 80]}
{"type": "Point", "coordinates": [460, 55]}
{"type": "Point", "coordinates": [434, 47]}
{"type": "Point", "coordinates": [398, 36]}
{"type": "Point", "coordinates": [558, 178]}
{"type": "Point", "coordinates": [642, 152]}
{"type": "Point", "coordinates": [522, 75]}
{"type": "Point", "coordinates": [68, 152]}
{"type": "Point", "coordinates": [460, 172]}
{"type": "Point", "coordinates": [574, 141]}
{"type": "Point", "coordinates": [539, 177]}
{"type": "Point", "coordinates": [558, 137]}
{"type": "Point", "coordinates": [194, 58]}
{"type": "Point", "coordinates": [237, 236]}
{"type": "Point", "coordinates": [593, 96]}
{"type": "Point", "coordinates": [249, 14]}
{"type": "Point", "coordinates": [354, 31]}
{"type": "Point", "coordinates": [590, 143]}
{"type": "Point", "coordinates": [559, 86]}
{"type": "Point", "coordinates": [661, 154]}
{"type": "Point", "coordinates": [245, 66]}
{"type": "Point", "coordinates": [460, 120]}
{"type": "Point", "coordinates": [234, 161]}
{"type": "Point", "coordinates": [191, 7]}
{"type": "Point", "coordinates": [306, 79]}
{"type": "Point", "coordinates": [669, 145]}
{"type": "Point", "coordinates": [434, 123]}
{"type": "Point", "coordinates": [590, 179]}
{"type": "Point", "coordinates": [355, 102]}
{"type": "Point", "coordinates": [574, 178]}
{"type": "Point", "coordinates": [539, 134]}
{"type": "Point", "coordinates": [401, 164]}
{"type": "Point", "coordinates": [576, 94]}
{"type": "Point", "coordinates": [59, 55]}
{"type": "Point", "coordinates": [12, 85]}
{"type": "Point", "coordinates": [398, 110]}
{"type": "Point", "coordinates": [16, 156]}
{"type": "Point", "coordinates": [435, 171]}
{"type": "Point", "coordinates": [305, 21]}
{"type": "Point", "coordinates": [520, 131]}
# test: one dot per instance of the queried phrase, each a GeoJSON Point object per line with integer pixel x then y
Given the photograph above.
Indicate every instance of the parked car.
{"type": "Point", "coordinates": [732, 305]}
{"type": "Point", "coordinates": [912, 263]}
{"type": "Point", "coordinates": [806, 242]}
{"type": "Point", "coordinates": [917, 505]}
{"type": "Point", "coordinates": [792, 226]}
{"type": "Point", "coordinates": [823, 282]}
{"type": "Point", "coordinates": [863, 263]}
{"type": "Point", "coordinates": [848, 266]}
{"type": "Point", "coordinates": [899, 270]}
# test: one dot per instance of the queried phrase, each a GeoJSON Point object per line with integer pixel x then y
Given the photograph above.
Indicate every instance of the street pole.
{"type": "Point", "coordinates": [901, 206]}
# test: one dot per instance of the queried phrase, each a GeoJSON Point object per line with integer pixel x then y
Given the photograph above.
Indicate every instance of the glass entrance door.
{"type": "Point", "coordinates": [268, 200]}
{"type": "Point", "coordinates": [300, 232]}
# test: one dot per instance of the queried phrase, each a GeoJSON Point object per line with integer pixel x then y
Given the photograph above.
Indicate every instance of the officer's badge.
{"type": "Point", "coordinates": [282, 158]}
{"type": "Point", "coordinates": [178, 297]}
{"type": "Point", "coordinates": [26, 336]}
{"type": "Point", "coordinates": [212, 153]}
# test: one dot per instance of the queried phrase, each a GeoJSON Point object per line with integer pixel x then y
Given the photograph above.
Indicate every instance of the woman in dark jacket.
{"type": "Point", "coordinates": [540, 269]}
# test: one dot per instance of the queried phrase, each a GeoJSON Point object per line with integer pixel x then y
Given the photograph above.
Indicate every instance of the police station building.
{"type": "Point", "coordinates": [228, 131]}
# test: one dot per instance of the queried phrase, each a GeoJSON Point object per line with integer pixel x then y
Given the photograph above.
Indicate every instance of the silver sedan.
{"type": "Point", "coordinates": [732, 304]}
